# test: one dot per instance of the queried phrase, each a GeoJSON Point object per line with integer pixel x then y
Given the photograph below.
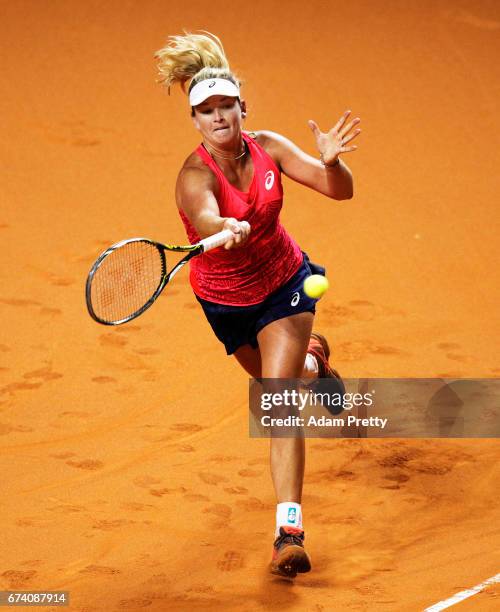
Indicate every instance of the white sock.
{"type": "Point", "coordinates": [310, 366]}
{"type": "Point", "coordinates": [288, 514]}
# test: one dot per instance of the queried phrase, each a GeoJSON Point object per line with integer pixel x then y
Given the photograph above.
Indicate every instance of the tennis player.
{"type": "Point", "coordinates": [251, 291]}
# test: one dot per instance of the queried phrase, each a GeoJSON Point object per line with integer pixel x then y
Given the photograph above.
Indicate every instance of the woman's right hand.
{"type": "Point", "coordinates": [241, 231]}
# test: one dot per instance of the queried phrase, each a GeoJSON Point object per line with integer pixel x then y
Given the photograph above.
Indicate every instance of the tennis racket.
{"type": "Point", "coordinates": [130, 275]}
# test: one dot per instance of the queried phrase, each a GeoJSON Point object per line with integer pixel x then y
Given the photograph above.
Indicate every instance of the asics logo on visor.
{"type": "Point", "coordinates": [269, 182]}
{"type": "Point", "coordinates": [212, 84]}
{"type": "Point", "coordinates": [295, 299]}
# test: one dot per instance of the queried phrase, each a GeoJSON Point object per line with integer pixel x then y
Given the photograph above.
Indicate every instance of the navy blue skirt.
{"type": "Point", "coordinates": [236, 326]}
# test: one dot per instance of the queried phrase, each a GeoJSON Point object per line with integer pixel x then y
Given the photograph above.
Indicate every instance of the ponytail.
{"type": "Point", "coordinates": [193, 58]}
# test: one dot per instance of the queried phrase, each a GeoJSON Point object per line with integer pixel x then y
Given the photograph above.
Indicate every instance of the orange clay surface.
{"type": "Point", "coordinates": [127, 473]}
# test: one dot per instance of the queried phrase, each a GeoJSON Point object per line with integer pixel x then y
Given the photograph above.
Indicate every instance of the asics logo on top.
{"type": "Point", "coordinates": [295, 299]}
{"type": "Point", "coordinates": [269, 180]}
{"type": "Point", "coordinates": [292, 515]}
{"type": "Point", "coordinates": [212, 84]}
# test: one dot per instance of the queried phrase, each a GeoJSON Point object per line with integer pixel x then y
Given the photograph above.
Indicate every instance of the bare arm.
{"type": "Point", "coordinates": [333, 178]}
{"type": "Point", "coordinates": [194, 193]}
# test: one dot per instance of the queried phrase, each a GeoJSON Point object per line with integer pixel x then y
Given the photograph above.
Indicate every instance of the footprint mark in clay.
{"type": "Point", "coordinates": [251, 504]}
{"type": "Point", "coordinates": [222, 510]}
{"type": "Point", "coordinates": [86, 464]}
{"type": "Point", "coordinates": [100, 570]}
{"type": "Point", "coordinates": [136, 506]}
{"type": "Point", "coordinates": [397, 477]}
{"type": "Point", "coordinates": [128, 329]}
{"type": "Point", "coordinates": [223, 458]}
{"type": "Point", "coordinates": [231, 561]}
{"type": "Point", "coordinates": [455, 357]}
{"type": "Point", "coordinates": [102, 380]}
{"type": "Point", "coordinates": [211, 479]}
{"type": "Point", "coordinates": [196, 497]}
{"type": "Point", "coordinates": [60, 281]}
{"type": "Point", "coordinates": [108, 525]}
{"type": "Point", "coordinates": [63, 455]}
{"type": "Point", "coordinates": [11, 388]}
{"type": "Point", "coordinates": [112, 340]}
{"type": "Point", "coordinates": [19, 302]}
{"type": "Point", "coordinates": [248, 473]}
{"type": "Point", "coordinates": [46, 311]}
{"type": "Point", "coordinates": [346, 475]}
{"type": "Point", "coordinates": [236, 490]}
{"type": "Point", "coordinates": [447, 346]}
{"type": "Point", "coordinates": [18, 579]}
{"type": "Point", "coordinates": [43, 373]}
{"type": "Point", "coordinates": [166, 491]}
{"type": "Point", "coordinates": [147, 351]}
{"type": "Point", "coordinates": [7, 428]}
{"type": "Point", "coordinates": [67, 508]}
{"type": "Point", "coordinates": [186, 448]}
{"type": "Point", "coordinates": [146, 481]}
{"type": "Point", "coordinates": [134, 604]}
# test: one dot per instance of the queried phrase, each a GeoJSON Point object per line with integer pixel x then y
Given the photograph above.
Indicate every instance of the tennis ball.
{"type": "Point", "coordinates": [316, 285]}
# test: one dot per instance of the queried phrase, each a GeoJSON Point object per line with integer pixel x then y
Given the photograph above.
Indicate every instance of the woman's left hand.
{"type": "Point", "coordinates": [331, 144]}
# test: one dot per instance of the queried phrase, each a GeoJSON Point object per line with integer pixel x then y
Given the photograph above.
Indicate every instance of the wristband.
{"type": "Point", "coordinates": [337, 161]}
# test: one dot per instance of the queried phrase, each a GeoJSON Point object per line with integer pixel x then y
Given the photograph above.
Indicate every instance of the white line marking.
{"type": "Point", "coordinates": [458, 597]}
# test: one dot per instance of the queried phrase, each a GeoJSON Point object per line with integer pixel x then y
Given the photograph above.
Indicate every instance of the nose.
{"type": "Point", "coordinates": [217, 114]}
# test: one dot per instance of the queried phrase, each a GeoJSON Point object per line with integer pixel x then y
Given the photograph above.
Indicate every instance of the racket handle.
{"type": "Point", "coordinates": [211, 242]}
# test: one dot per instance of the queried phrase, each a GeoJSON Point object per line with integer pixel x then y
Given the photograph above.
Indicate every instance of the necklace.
{"type": "Point", "coordinates": [226, 156]}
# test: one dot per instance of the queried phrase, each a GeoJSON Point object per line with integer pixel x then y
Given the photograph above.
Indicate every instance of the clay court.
{"type": "Point", "coordinates": [128, 475]}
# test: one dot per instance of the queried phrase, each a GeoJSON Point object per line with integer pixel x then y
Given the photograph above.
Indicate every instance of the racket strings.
{"type": "Point", "coordinates": [126, 279]}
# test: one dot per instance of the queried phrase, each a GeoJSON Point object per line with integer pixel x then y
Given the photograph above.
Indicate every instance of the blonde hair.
{"type": "Point", "coordinates": [194, 58]}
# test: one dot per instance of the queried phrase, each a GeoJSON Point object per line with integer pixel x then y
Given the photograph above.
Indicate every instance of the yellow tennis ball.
{"type": "Point", "coordinates": [316, 285]}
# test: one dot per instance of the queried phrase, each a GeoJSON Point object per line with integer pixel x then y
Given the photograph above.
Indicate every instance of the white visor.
{"type": "Point", "coordinates": [212, 87]}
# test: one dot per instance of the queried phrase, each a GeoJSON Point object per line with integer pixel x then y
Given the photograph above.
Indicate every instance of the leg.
{"type": "Point", "coordinates": [250, 360]}
{"type": "Point", "coordinates": [283, 347]}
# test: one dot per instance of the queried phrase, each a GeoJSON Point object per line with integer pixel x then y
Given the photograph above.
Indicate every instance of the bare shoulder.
{"type": "Point", "coordinates": [194, 177]}
{"type": "Point", "coordinates": [265, 138]}
{"type": "Point", "coordinates": [194, 165]}
{"type": "Point", "coordinates": [272, 143]}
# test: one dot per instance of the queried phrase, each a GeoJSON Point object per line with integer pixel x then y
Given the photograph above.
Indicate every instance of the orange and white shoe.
{"type": "Point", "coordinates": [289, 555]}
{"type": "Point", "coordinates": [319, 348]}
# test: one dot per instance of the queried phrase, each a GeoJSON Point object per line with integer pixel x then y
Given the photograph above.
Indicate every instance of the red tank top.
{"type": "Point", "coordinates": [246, 275]}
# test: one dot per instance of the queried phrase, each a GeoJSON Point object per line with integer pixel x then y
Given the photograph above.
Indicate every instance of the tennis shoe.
{"type": "Point", "coordinates": [319, 348]}
{"type": "Point", "coordinates": [289, 556]}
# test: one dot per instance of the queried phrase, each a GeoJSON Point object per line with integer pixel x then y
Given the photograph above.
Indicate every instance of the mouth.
{"type": "Point", "coordinates": [221, 128]}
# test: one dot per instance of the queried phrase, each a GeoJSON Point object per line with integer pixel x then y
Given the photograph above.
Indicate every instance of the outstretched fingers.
{"type": "Point", "coordinates": [346, 129]}
{"type": "Point", "coordinates": [341, 121]}
{"type": "Point", "coordinates": [348, 138]}
{"type": "Point", "coordinates": [314, 128]}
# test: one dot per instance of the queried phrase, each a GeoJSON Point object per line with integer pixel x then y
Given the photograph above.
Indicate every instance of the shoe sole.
{"type": "Point", "coordinates": [324, 343]}
{"type": "Point", "coordinates": [330, 373]}
{"type": "Point", "coordinates": [326, 349]}
{"type": "Point", "coordinates": [291, 561]}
